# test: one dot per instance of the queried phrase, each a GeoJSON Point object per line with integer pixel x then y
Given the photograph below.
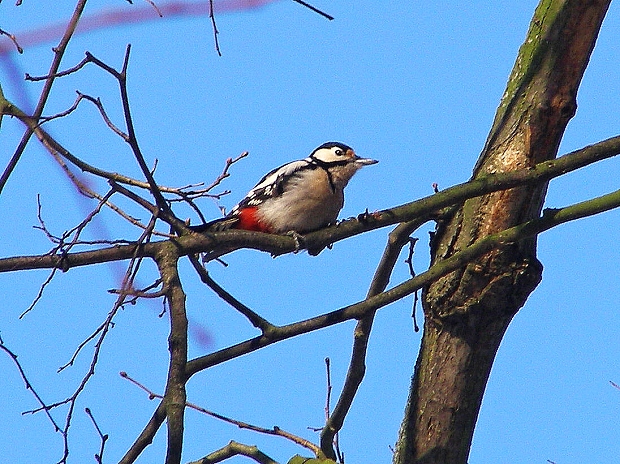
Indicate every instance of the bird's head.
{"type": "Point", "coordinates": [339, 154]}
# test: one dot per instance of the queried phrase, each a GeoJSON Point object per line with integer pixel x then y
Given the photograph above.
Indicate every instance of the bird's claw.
{"type": "Point", "coordinates": [299, 240]}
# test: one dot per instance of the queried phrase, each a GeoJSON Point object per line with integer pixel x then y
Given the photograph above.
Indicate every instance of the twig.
{"type": "Point", "coordinates": [256, 320]}
{"type": "Point", "coordinates": [409, 261]}
{"type": "Point", "coordinates": [58, 151]}
{"type": "Point", "coordinates": [329, 388]}
{"type": "Point", "coordinates": [316, 10]}
{"type": "Point", "coordinates": [104, 438]}
{"type": "Point", "coordinates": [45, 92]}
{"type": "Point", "coordinates": [226, 172]}
{"type": "Point", "coordinates": [327, 409]}
{"type": "Point", "coordinates": [190, 195]}
{"type": "Point", "coordinates": [130, 137]}
{"type": "Point", "coordinates": [62, 247]}
{"type": "Point", "coordinates": [242, 425]}
{"type": "Point", "coordinates": [62, 114]}
{"type": "Point", "coordinates": [12, 39]}
{"type": "Point", "coordinates": [79, 348]}
{"type": "Point", "coordinates": [155, 7]}
{"type": "Point", "coordinates": [39, 295]}
{"type": "Point", "coordinates": [398, 238]}
{"type": "Point", "coordinates": [142, 202]}
{"type": "Point", "coordinates": [101, 333]}
{"type": "Point", "coordinates": [56, 74]}
{"type": "Point", "coordinates": [104, 115]}
{"type": "Point", "coordinates": [215, 31]}
{"type": "Point", "coordinates": [174, 222]}
{"type": "Point", "coordinates": [28, 385]}
{"type": "Point", "coordinates": [143, 293]}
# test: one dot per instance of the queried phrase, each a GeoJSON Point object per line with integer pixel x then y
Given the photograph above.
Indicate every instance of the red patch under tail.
{"type": "Point", "coordinates": [248, 220]}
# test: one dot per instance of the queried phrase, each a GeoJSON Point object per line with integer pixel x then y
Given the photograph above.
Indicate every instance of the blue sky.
{"type": "Point", "coordinates": [412, 84]}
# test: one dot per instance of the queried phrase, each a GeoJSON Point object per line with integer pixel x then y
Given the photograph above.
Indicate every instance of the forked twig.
{"type": "Point", "coordinates": [100, 333]}
{"type": "Point", "coordinates": [104, 438]}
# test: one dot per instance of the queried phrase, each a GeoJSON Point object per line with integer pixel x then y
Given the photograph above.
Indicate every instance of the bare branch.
{"type": "Point", "coordinates": [62, 247]}
{"type": "Point", "coordinates": [328, 396]}
{"type": "Point", "coordinates": [116, 17]}
{"type": "Point", "coordinates": [143, 293]}
{"type": "Point", "coordinates": [100, 333]}
{"type": "Point", "coordinates": [155, 7]}
{"type": "Point", "coordinates": [104, 115]}
{"type": "Point", "coordinates": [551, 218]}
{"type": "Point", "coordinates": [56, 74]}
{"type": "Point", "coordinates": [39, 295]}
{"type": "Point", "coordinates": [409, 261]}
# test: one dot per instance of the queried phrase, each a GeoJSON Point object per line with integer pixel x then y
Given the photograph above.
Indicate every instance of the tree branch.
{"type": "Point", "coordinates": [233, 449]}
{"type": "Point", "coordinates": [276, 244]}
{"type": "Point", "coordinates": [175, 396]}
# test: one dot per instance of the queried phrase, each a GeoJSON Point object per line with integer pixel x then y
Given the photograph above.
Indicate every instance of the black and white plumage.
{"type": "Point", "coordinates": [300, 196]}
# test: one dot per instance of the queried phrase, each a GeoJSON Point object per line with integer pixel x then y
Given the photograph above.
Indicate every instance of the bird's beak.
{"type": "Point", "coordinates": [366, 161]}
{"type": "Point", "coordinates": [363, 161]}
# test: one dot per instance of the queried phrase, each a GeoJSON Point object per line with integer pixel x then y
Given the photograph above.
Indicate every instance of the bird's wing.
{"type": "Point", "coordinates": [271, 185]}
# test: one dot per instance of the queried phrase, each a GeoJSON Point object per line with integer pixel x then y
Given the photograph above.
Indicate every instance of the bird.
{"type": "Point", "coordinates": [299, 197]}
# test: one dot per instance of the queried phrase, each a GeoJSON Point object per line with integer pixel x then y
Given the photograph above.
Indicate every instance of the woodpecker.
{"type": "Point", "coordinates": [298, 197]}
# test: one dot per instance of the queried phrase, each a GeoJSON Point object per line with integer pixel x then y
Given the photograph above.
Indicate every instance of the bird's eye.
{"type": "Point", "coordinates": [339, 152]}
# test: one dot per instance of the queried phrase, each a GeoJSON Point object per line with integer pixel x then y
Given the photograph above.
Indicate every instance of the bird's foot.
{"type": "Point", "coordinates": [299, 240]}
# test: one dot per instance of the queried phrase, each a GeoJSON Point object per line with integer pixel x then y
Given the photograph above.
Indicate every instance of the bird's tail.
{"type": "Point", "coordinates": [216, 225]}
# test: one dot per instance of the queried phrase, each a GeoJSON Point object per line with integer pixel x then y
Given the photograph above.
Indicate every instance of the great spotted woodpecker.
{"type": "Point", "coordinates": [299, 197]}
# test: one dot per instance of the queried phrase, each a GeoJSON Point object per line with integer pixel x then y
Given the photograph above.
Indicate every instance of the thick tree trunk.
{"type": "Point", "coordinates": [467, 312]}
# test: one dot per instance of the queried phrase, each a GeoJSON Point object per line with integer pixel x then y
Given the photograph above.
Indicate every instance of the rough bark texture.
{"type": "Point", "coordinates": [467, 312]}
